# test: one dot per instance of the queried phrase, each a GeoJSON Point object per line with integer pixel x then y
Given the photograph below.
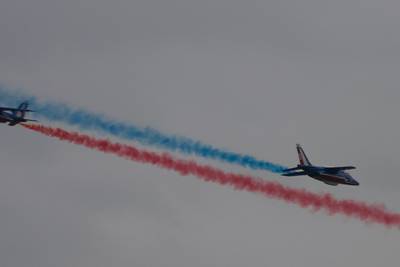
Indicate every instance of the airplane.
{"type": "Point", "coordinates": [329, 175]}
{"type": "Point", "coordinates": [13, 116]}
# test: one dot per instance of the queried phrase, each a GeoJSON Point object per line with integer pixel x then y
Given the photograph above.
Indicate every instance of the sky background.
{"type": "Point", "coordinates": [251, 76]}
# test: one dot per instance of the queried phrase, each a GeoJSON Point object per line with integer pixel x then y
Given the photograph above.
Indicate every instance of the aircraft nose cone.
{"type": "Point", "coordinates": [355, 182]}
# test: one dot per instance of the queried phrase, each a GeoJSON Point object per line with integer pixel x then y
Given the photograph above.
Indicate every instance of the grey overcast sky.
{"type": "Point", "coordinates": [252, 76]}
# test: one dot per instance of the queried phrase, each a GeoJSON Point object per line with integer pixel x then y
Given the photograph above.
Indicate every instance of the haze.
{"type": "Point", "coordinates": [253, 76]}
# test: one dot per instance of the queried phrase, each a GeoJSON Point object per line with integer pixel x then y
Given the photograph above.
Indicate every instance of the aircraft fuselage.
{"type": "Point", "coordinates": [328, 177]}
{"type": "Point", "coordinates": [6, 117]}
{"type": "Point", "coordinates": [13, 116]}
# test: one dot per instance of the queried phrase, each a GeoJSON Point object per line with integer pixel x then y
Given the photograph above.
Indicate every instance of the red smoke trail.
{"type": "Point", "coordinates": [356, 209]}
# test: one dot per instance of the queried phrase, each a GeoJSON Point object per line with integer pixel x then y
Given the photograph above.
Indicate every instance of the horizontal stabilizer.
{"type": "Point", "coordinates": [294, 173]}
{"type": "Point", "coordinates": [292, 169]}
{"type": "Point", "coordinates": [16, 109]}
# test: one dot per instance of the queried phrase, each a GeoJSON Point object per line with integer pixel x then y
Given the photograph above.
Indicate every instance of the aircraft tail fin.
{"type": "Point", "coordinates": [23, 106]}
{"type": "Point", "coordinates": [302, 156]}
{"type": "Point", "coordinates": [21, 110]}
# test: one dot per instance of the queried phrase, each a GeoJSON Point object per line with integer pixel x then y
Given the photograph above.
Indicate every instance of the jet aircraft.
{"type": "Point", "coordinates": [13, 116]}
{"type": "Point", "coordinates": [329, 175]}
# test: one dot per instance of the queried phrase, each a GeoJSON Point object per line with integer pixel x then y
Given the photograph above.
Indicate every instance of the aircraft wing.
{"type": "Point", "coordinates": [294, 173]}
{"type": "Point", "coordinates": [335, 169]}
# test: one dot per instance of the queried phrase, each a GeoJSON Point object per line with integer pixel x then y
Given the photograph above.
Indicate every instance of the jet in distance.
{"type": "Point", "coordinates": [13, 116]}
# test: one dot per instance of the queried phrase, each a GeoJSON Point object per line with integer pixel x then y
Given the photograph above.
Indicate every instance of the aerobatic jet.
{"type": "Point", "coordinates": [13, 116]}
{"type": "Point", "coordinates": [329, 175]}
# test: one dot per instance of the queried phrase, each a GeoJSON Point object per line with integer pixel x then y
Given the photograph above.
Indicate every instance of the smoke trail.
{"type": "Point", "coordinates": [356, 209]}
{"type": "Point", "coordinates": [89, 121]}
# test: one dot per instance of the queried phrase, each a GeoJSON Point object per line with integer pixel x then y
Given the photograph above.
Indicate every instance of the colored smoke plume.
{"type": "Point", "coordinates": [86, 120]}
{"type": "Point", "coordinates": [356, 209]}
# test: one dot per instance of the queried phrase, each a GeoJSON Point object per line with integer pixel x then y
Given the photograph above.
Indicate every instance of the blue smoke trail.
{"type": "Point", "coordinates": [86, 120]}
